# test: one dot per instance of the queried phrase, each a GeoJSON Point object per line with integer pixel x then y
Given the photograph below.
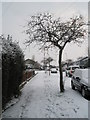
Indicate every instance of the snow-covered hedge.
{"type": "Point", "coordinates": [12, 68]}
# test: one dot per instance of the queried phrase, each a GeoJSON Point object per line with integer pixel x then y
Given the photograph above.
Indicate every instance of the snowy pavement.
{"type": "Point", "coordinates": [41, 99]}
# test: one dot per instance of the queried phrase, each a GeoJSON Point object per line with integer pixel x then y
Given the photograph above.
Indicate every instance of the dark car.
{"type": "Point", "coordinates": [53, 70]}
{"type": "Point", "coordinates": [80, 81]}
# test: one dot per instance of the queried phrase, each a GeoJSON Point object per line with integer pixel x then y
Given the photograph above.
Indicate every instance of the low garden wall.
{"type": "Point", "coordinates": [27, 74]}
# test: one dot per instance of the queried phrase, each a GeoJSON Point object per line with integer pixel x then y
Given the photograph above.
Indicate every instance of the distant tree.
{"type": "Point", "coordinates": [69, 62]}
{"type": "Point", "coordinates": [48, 32]}
{"type": "Point", "coordinates": [47, 61]}
{"type": "Point", "coordinates": [64, 63]}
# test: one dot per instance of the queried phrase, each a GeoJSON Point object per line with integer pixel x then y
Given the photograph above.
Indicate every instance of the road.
{"type": "Point", "coordinates": [41, 98]}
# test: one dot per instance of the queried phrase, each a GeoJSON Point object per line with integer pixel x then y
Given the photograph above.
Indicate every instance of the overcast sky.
{"type": "Point", "coordinates": [16, 14]}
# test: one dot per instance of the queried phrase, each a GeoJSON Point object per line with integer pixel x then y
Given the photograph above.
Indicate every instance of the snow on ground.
{"type": "Point", "coordinates": [41, 99]}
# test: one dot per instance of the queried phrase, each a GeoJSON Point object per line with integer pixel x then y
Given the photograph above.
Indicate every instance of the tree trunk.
{"type": "Point", "coordinates": [60, 70]}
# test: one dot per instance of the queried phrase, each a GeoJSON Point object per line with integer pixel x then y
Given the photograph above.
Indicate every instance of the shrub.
{"type": "Point", "coordinates": [12, 69]}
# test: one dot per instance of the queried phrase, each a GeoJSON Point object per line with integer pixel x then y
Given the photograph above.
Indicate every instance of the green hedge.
{"type": "Point", "coordinates": [12, 69]}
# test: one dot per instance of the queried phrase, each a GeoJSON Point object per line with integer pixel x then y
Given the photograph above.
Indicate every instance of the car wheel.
{"type": "Point", "coordinates": [66, 73]}
{"type": "Point", "coordinates": [83, 93]}
{"type": "Point", "coordinates": [69, 75]}
{"type": "Point", "coordinates": [73, 87]}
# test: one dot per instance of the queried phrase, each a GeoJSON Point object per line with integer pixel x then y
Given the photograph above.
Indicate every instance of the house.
{"type": "Point", "coordinates": [32, 64]}
{"type": "Point", "coordinates": [81, 62]}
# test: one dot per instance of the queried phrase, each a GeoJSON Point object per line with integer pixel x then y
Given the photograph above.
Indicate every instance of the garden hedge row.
{"type": "Point", "coordinates": [12, 69]}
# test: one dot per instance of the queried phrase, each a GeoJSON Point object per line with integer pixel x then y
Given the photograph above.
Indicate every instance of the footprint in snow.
{"type": "Point", "coordinates": [23, 106]}
{"type": "Point", "coordinates": [49, 100]}
{"type": "Point", "coordinates": [57, 103]}
{"type": "Point", "coordinates": [62, 114]}
{"type": "Point", "coordinates": [75, 111]}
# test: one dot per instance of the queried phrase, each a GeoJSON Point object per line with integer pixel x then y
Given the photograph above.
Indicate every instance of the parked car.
{"type": "Point", "coordinates": [53, 70]}
{"type": "Point", "coordinates": [80, 81]}
{"type": "Point", "coordinates": [70, 70]}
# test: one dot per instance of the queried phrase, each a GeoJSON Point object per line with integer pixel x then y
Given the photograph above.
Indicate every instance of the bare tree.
{"type": "Point", "coordinates": [49, 60]}
{"type": "Point", "coordinates": [69, 62]}
{"type": "Point", "coordinates": [49, 32]}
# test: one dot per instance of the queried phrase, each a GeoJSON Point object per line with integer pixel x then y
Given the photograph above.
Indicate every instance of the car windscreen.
{"type": "Point", "coordinates": [73, 68]}
{"type": "Point", "coordinates": [68, 68]}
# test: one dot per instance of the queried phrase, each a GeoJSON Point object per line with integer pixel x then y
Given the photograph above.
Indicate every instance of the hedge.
{"type": "Point", "coordinates": [12, 69]}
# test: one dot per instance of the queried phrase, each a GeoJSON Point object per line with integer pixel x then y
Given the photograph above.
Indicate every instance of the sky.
{"type": "Point", "coordinates": [16, 14]}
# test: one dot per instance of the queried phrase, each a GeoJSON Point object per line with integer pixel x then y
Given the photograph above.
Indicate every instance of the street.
{"type": "Point", "coordinates": [41, 98]}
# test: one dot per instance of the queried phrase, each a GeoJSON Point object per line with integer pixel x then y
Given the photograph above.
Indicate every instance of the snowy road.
{"type": "Point", "coordinates": [41, 99]}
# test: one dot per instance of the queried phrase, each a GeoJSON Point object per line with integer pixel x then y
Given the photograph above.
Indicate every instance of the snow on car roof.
{"type": "Point", "coordinates": [74, 66]}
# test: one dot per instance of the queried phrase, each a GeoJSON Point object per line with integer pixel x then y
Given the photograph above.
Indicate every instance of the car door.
{"type": "Point", "coordinates": [77, 83]}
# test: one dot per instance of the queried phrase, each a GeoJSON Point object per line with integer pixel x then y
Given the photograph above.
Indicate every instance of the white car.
{"type": "Point", "coordinates": [80, 80]}
{"type": "Point", "coordinates": [53, 70]}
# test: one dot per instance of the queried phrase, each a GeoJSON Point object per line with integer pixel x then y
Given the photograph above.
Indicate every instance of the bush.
{"type": "Point", "coordinates": [12, 69]}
